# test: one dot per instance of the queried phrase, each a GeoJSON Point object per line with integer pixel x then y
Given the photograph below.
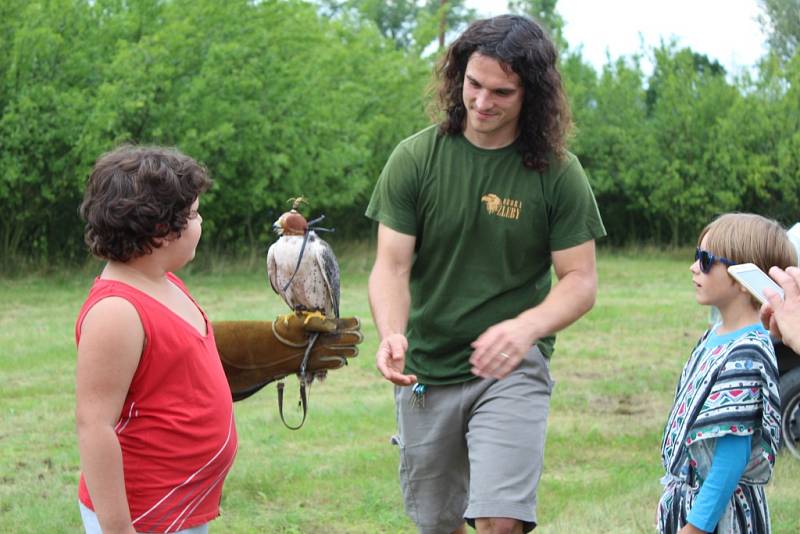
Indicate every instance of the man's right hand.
{"type": "Point", "coordinates": [391, 359]}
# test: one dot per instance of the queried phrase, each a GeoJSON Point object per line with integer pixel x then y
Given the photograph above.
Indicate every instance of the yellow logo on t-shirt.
{"type": "Point", "coordinates": [502, 207]}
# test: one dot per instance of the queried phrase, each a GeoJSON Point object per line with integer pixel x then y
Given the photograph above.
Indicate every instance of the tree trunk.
{"type": "Point", "coordinates": [442, 23]}
{"type": "Point", "coordinates": [675, 226]}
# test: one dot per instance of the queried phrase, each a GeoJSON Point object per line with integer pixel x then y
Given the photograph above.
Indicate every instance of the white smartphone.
{"type": "Point", "coordinates": [754, 280]}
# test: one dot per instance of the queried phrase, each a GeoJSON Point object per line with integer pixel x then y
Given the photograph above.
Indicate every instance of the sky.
{"type": "Point", "coordinates": [724, 30]}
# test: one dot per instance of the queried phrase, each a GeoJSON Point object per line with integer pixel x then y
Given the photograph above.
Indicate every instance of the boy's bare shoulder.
{"type": "Point", "coordinates": [112, 320]}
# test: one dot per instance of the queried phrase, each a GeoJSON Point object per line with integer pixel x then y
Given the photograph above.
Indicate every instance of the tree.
{"type": "Point", "coordinates": [280, 99]}
{"type": "Point", "coordinates": [48, 86]}
{"type": "Point", "coordinates": [763, 130]}
{"type": "Point", "coordinates": [275, 100]}
{"type": "Point", "coordinates": [395, 19]}
{"type": "Point", "coordinates": [546, 13]}
{"type": "Point", "coordinates": [617, 147]}
{"type": "Point", "coordinates": [411, 24]}
{"type": "Point", "coordinates": [686, 191]}
{"type": "Point", "coordinates": [780, 19]}
{"type": "Point", "coordinates": [701, 63]}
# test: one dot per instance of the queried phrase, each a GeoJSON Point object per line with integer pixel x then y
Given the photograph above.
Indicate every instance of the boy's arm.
{"type": "Point", "coordinates": [730, 460]}
{"type": "Point", "coordinates": [501, 347]}
{"type": "Point", "coordinates": [110, 347]}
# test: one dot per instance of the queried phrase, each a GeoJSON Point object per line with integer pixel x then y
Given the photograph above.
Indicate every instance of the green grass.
{"type": "Point", "coordinates": [615, 371]}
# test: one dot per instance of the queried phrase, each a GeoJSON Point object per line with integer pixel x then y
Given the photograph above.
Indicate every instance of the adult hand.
{"type": "Point", "coordinates": [391, 359]}
{"type": "Point", "coordinates": [782, 317]}
{"type": "Point", "coordinates": [500, 348]}
{"type": "Point", "coordinates": [690, 529]}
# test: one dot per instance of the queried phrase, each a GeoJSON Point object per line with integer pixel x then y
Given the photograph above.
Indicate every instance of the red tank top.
{"type": "Point", "coordinates": [176, 428]}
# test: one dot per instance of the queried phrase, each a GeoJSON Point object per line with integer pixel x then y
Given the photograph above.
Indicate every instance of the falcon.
{"type": "Point", "coordinates": [301, 266]}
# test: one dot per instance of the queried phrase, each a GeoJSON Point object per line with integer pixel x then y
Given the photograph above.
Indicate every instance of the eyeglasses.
{"type": "Point", "coordinates": [707, 259]}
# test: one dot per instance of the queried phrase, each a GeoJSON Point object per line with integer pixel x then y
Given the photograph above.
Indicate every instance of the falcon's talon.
{"type": "Point", "coordinates": [311, 315]}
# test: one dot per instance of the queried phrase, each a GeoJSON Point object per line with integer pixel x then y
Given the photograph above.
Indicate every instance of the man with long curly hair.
{"type": "Point", "coordinates": [472, 213]}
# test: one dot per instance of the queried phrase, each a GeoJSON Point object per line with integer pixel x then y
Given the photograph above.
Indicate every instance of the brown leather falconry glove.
{"type": "Point", "coordinates": [255, 353]}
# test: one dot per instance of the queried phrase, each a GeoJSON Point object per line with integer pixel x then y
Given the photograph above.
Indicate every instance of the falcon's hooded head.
{"type": "Point", "coordinates": [291, 222]}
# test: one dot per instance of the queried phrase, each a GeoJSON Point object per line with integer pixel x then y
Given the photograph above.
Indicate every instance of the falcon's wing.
{"type": "Point", "coordinates": [329, 268]}
{"type": "Point", "coordinates": [272, 268]}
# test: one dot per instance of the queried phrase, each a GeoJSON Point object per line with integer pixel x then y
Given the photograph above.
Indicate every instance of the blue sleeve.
{"type": "Point", "coordinates": [730, 459]}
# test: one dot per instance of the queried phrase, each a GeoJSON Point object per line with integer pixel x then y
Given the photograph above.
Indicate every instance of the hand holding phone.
{"type": "Point", "coordinates": [754, 280]}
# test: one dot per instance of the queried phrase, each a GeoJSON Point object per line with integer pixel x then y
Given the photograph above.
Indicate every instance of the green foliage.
{"type": "Point", "coordinates": [281, 98]}
{"type": "Point", "coordinates": [614, 142]}
{"type": "Point", "coordinates": [546, 14]}
{"type": "Point", "coordinates": [411, 24]}
{"type": "Point", "coordinates": [667, 153]}
{"type": "Point", "coordinates": [46, 99]}
{"type": "Point", "coordinates": [395, 20]}
{"type": "Point", "coordinates": [780, 20]}
{"type": "Point", "coordinates": [691, 101]}
{"type": "Point", "coordinates": [276, 101]}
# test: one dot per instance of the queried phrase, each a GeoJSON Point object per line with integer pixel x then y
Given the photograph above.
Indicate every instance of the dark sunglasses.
{"type": "Point", "coordinates": [707, 259]}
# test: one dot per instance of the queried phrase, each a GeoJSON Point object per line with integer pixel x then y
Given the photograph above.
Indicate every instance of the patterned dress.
{"type": "Point", "coordinates": [728, 386]}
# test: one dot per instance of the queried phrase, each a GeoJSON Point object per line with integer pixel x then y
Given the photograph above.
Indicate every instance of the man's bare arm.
{"type": "Point", "coordinates": [390, 299]}
{"type": "Point", "coordinates": [501, 347]}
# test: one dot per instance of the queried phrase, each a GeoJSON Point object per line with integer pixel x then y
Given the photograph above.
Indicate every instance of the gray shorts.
{"type": "Point", "coordinates": [474, 449]}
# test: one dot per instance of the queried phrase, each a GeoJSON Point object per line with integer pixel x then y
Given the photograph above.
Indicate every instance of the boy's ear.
{"type": "Point", "coordinates": [753, 301]}
{"type": "Point", "coordinates": [742, 288]}
{"type": "Point", "coordinates": [164, 241]}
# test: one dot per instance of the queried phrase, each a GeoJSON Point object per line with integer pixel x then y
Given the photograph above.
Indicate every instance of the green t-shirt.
{"type": "Point", "coordinates": [485, 226]}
